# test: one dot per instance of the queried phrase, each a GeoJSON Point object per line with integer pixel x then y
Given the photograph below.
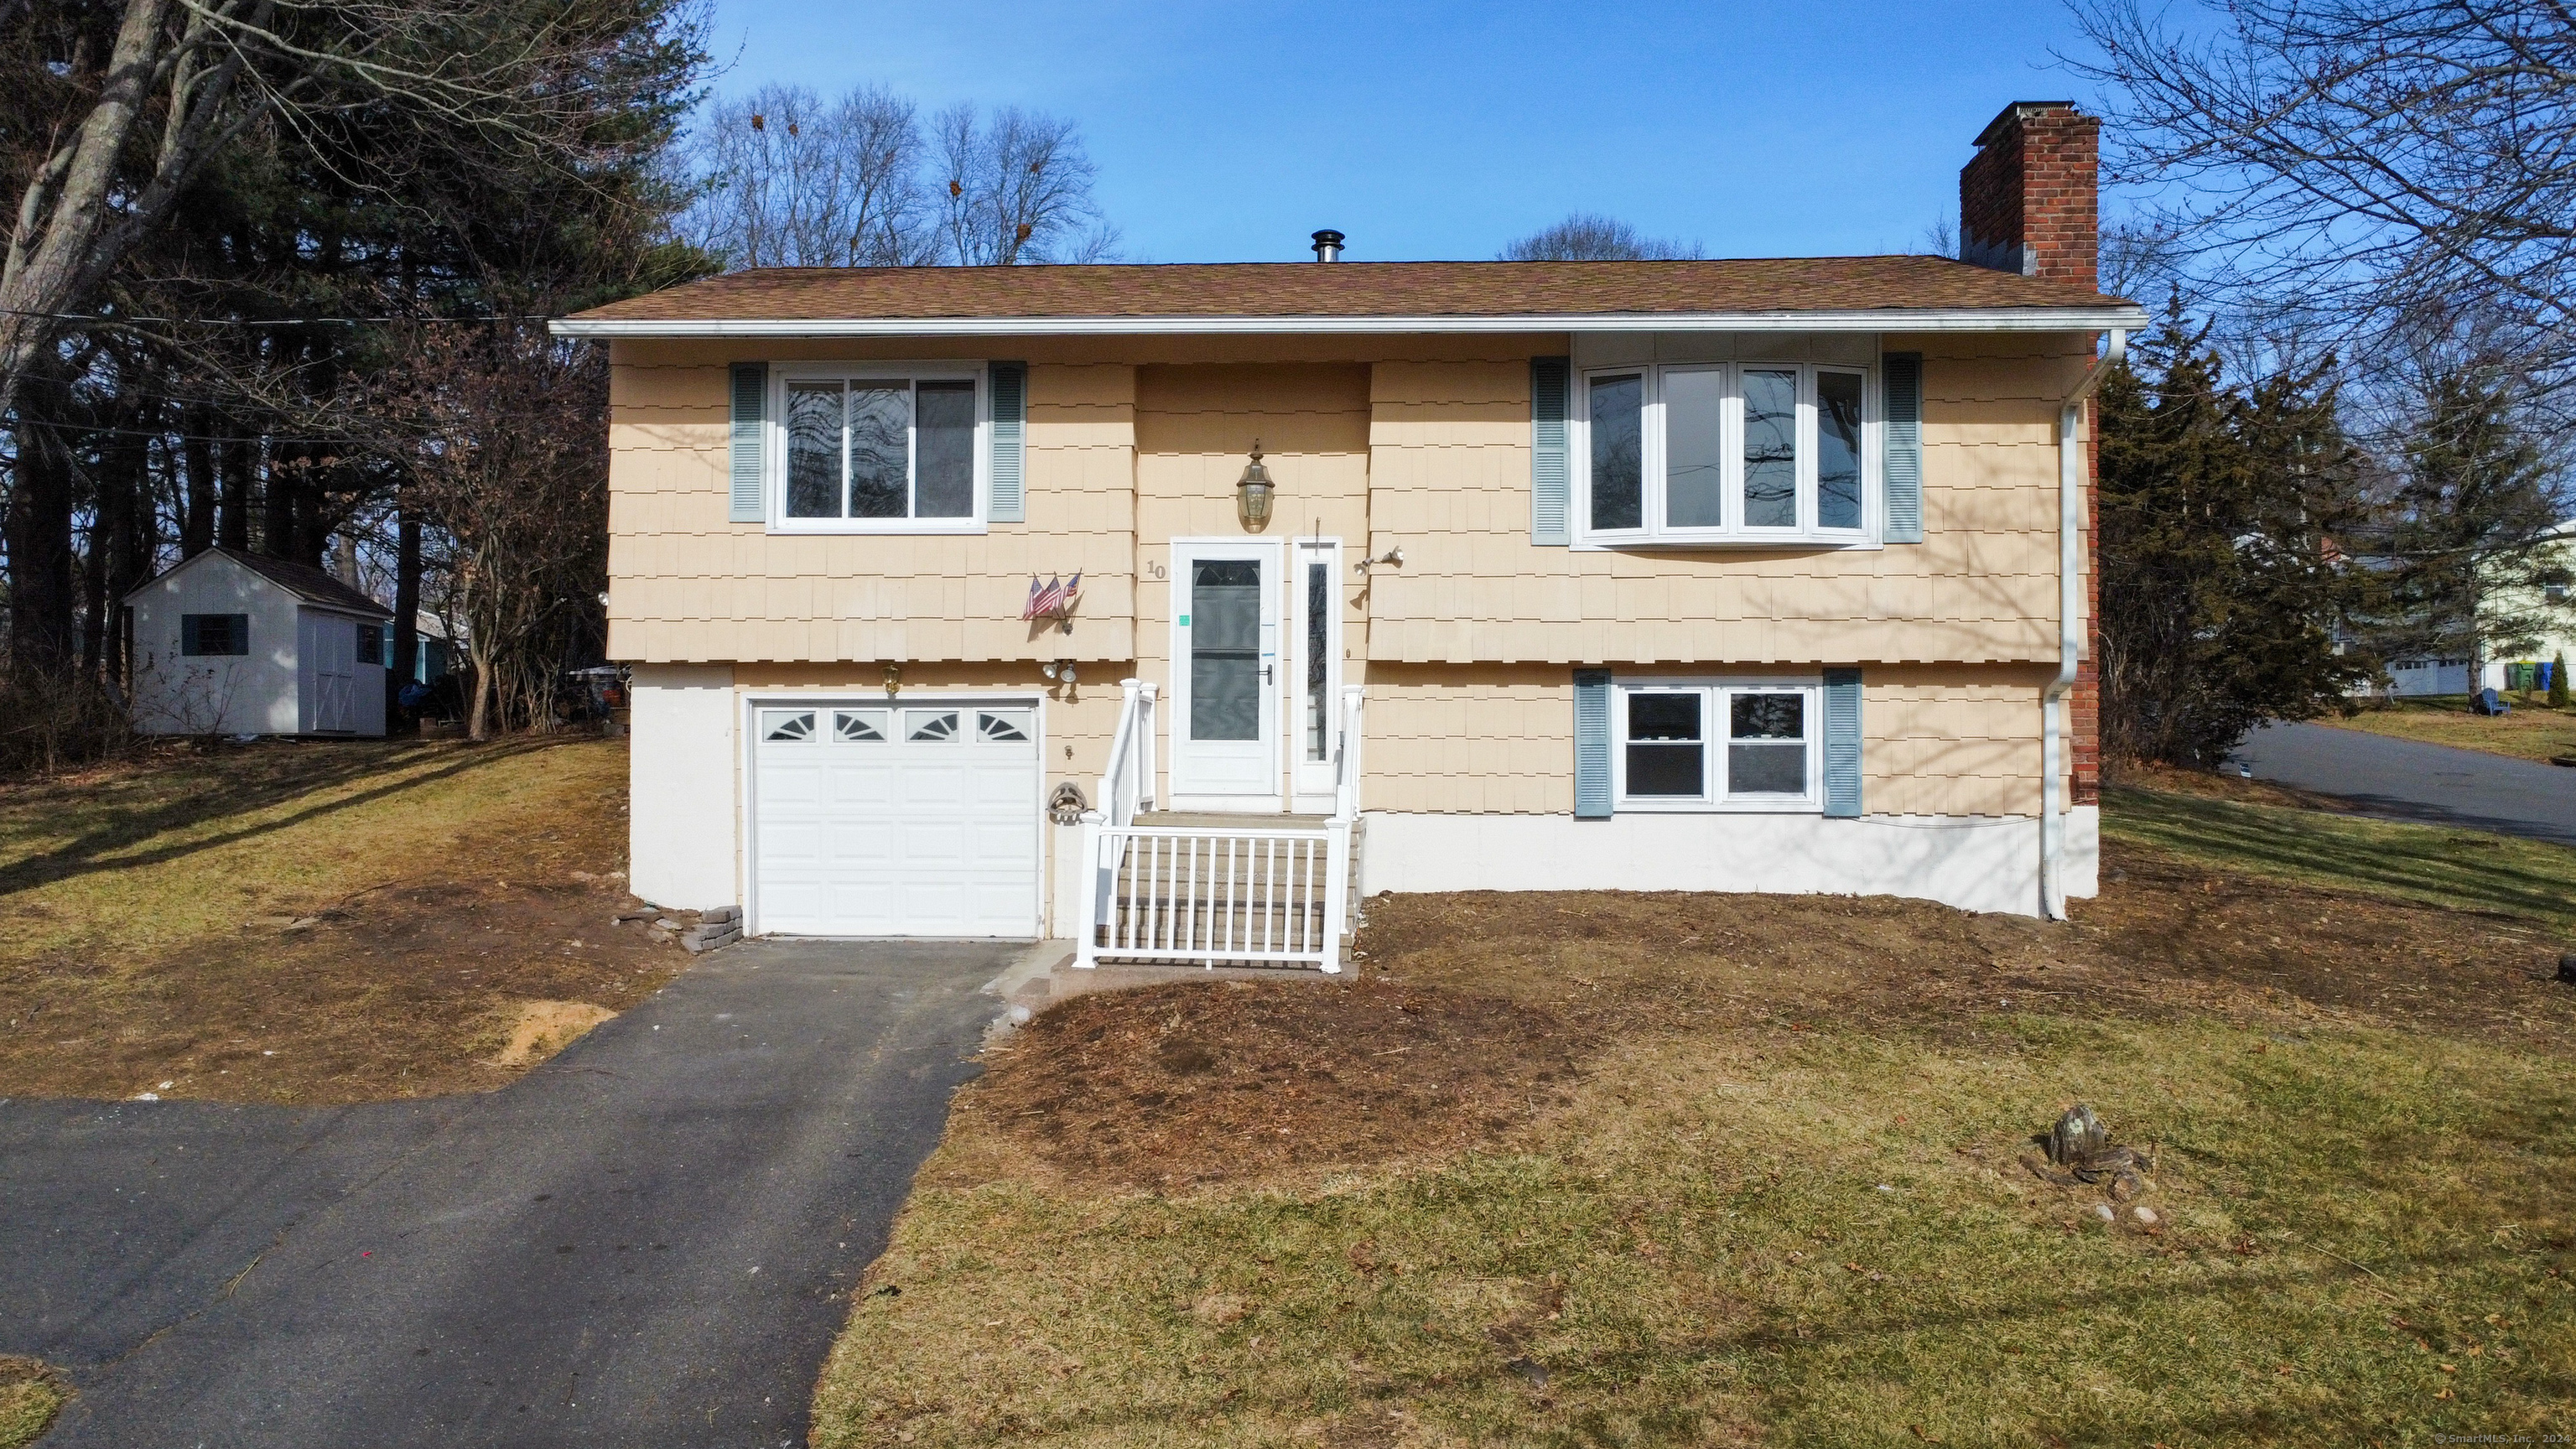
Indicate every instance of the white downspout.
{"type": "Point", "coordinates": [2070, 638]}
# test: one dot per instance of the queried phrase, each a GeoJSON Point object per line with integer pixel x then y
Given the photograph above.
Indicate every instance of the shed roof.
{"type": "Point", "coordinates": [1884, 291]}
{"type": "Point", "coordinates": [304, 581]}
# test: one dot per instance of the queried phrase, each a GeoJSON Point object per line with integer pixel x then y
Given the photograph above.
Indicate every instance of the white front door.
{"type": "Point", "coordinates": [1225, 674]}
{"type": "Point", "coordinates": [899, 818]}
{"type": "Point", "coordinates": [1315, 672]}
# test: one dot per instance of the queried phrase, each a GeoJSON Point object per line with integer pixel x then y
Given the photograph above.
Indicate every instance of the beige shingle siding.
{"type": "Point", "coordinates": [687, 585]}
{"type": "Point", "coordinates": [1194, 428]}
{"type": "Point", "coordinates": [1936, 740]}
{"type": "Point", "coordinates": [1449, 453]}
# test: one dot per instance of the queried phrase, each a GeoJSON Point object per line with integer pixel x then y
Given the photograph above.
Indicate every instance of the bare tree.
{"type": "Point", "coordinates": [794, 182]}
{"type": "Point", "coordinates": [128, 123]}
{"type": "Point", "coordinates": [1015, 189]}
{"type": "Point", "coordinates": [503, 431]}
{"type": "Point", "coordinates": [2363, 156]}
{"type": "Point", "coordinates": [1588, 237]}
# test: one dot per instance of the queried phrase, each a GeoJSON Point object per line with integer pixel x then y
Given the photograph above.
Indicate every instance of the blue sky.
{"type": "Point", "coordinates": [1227, 133]}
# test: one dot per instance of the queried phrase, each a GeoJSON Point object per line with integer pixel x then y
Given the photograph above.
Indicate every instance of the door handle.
{"type": "Point", "coordinates": [1265, 674]}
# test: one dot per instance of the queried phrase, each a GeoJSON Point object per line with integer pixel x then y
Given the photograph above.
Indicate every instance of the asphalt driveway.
{"type": "Point", "coordinates": [646, 1241]}
{"type": "Point", "coordinates": [2410, 780]}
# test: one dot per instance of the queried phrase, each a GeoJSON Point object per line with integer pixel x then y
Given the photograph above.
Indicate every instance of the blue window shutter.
{"type": "Point", "coordinates": [750, 396]}
{"type": "Point", "coordinates": [1592, 744]}
{"type": "Point", "coordinates": [1010, 441]}
{"type": "Point", "coordinates": [1901, 467]}
{"type": "Point", "coordinates": [1551, 481]}
{"type": "Point", "coordinates": [1842, 743]}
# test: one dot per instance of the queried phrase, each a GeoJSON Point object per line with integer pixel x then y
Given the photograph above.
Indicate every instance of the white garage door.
{"type": "Point", "coordinates": [902, 820]}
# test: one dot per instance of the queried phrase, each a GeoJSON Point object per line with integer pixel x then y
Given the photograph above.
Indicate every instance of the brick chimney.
{"type": "Point", "coordinates": [2028, 203]}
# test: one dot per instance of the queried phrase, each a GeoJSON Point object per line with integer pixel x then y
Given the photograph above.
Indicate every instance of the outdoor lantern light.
{"type": "Point", "coordinates": [1252, 492]}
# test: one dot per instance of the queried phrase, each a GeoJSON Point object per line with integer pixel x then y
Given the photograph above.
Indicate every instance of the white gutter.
{"type": "Point", "coordinates": [2070, 639]}
{"type": "Point", "coordinates": [1954, 319]}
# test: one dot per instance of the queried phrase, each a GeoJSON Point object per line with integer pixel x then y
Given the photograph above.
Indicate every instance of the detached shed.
{"type": "Point", "coordinates": [230, 642]}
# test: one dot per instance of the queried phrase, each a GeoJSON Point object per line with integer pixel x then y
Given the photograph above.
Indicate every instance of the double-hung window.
{"type": "Point", "coordinates": [1733, 745]}
{"type": "Point", "coordinates": [868, 451]}
{"type": "Point", "coordinates": [1726, 453]}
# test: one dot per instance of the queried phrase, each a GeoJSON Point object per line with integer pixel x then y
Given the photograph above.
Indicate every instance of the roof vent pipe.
{"type": "Point", "coordinates": [1328, 245]}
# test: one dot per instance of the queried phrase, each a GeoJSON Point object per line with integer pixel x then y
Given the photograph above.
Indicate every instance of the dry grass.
{"type": "Point", "coordinates": [311, 922]}
{"type": "Point", "coordinates": [2240, 827]}
{"type": "Point", "coordinates": [1780, 1197]}
{"type": "Point", "coordinates": [31, 1394]}
{"type": "Point", "coordinates": [2531, 731]}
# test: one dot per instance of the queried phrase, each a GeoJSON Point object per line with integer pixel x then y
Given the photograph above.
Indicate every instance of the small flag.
{"type": "Point", "coordinates": [1029, 610]}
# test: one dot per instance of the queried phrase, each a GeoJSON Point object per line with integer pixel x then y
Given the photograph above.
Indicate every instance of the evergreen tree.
{"type": "Point", "coordinates": [2222, 587]}
{"type": "Point", "coordinates": [2469, 536]}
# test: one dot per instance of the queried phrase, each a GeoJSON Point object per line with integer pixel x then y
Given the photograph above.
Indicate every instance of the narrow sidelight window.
{"type": "Point", "coordinates": [1837, 449]}
{"type": "Point", "coordinates": [1319, 635]}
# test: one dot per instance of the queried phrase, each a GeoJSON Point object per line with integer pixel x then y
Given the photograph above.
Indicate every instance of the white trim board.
{"type": "Point", "coordinates": [1976, 863]}
{"type": "Point", "coordinates": [1941, 319]}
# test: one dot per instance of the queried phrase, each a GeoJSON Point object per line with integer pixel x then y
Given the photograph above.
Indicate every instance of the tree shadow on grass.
{"type": "Point", "coordinates": [2460, 869]}
{"type": "Point", "coordinates": [240, 792]}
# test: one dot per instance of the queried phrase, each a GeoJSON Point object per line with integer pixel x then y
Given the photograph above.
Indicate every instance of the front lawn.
{"type": "Point", "coordinates": [319, 921]}
{"type": "Point", "coordinates": [1605, 1169]}
{"type": "Point", "coordinates": [2530, 731]}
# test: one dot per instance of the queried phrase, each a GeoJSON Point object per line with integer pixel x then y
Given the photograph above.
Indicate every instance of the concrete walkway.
{"type": "Point", "coordinates": [644, 1242]}
{"type": "Point", "coordinates": [2408, 780]}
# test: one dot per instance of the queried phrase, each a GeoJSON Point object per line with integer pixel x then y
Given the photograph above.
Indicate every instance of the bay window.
{"type": "Point", "coordinates": [1732, 745]}
{"type": "Point", "coordinates": [1718, 453]}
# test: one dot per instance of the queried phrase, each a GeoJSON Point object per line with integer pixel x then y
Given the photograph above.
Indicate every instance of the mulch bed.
{"type": "Point", "coordinates": [1473, 1011]}
{"type": "Point", "coordinates": [1169, 1086]}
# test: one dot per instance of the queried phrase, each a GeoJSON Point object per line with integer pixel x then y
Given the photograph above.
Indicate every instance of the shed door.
{"type": "Point", "coordinates": [327, 648]}
{"type": "Point", "coordinates": [895, 820]}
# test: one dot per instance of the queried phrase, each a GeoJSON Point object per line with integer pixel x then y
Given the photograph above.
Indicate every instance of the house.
{"type": "Point", "coordinates": [2549, 608]}
{"type": "Point", "coordinates": [2541, 621]}
{"type": "Point", "coordinates": [1756, 575]}
{"type": "Point", "coordinates": [232, 642]}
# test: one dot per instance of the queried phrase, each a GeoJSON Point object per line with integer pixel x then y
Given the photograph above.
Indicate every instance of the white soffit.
{"type": "Point", "coordinates": [1997, 319]}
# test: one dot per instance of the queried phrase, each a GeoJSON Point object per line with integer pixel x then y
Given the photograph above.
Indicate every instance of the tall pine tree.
{"type": "Point", "coordinates": [2222, 586]}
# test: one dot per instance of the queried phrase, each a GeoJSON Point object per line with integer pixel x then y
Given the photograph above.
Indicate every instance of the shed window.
{"type": "Point", "coordinates": [214, 634]}
{"type": "Point", "coordinates": [1703, 453]}
{"type": "Point", "coordinates": [371, 644]}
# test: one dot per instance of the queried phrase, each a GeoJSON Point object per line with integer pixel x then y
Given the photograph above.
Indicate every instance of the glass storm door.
{"type": "Point", "coordinates": [1315, 675]}
{"type": "Point", "coordinates": [1225, 727]}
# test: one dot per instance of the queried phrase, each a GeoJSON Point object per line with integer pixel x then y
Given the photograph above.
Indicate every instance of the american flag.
{"type": "Point", "coordinates": [1051, 597]}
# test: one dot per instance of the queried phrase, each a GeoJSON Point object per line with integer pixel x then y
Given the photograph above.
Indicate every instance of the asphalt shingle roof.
{"type": "Point", "coordinates": [1348, 290]}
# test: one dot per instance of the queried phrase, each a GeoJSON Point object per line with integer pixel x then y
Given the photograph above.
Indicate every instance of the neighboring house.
{"type": "Point", "coordinates": [1687, 575]}
{"type": "Point", "coordinates": [230, 642]}
{"type": "Point", "coordinates": [2509, 669]}
{"type": "Point", "coordinates": [2514, 669]}
{"type": "Point", "coordinates": [436, 653]}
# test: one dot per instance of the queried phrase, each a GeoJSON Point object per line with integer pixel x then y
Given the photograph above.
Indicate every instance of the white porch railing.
{"type": "Point", "coordinates": [1127, 786]}
{"type": "Point", "coordinates": [1213, 895]}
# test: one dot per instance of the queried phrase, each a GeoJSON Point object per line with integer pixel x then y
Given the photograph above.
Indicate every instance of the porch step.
{"type": "Point", "coordinates": [1269, 820]}
{"type": "Point", "coordinates": [1229, 820]}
